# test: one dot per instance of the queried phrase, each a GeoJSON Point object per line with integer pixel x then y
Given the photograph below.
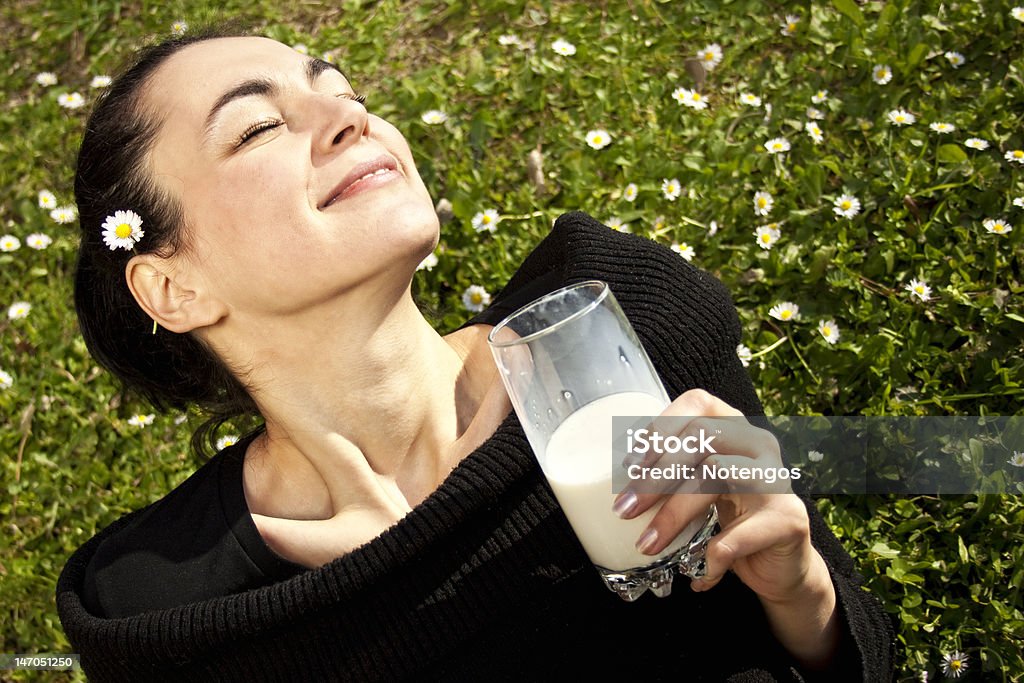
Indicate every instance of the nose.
{"type": "Point", "coordinates": [342, 122]}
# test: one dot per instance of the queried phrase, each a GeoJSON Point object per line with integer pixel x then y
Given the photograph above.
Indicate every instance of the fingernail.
{"type": "Point", "coordinates": [647, 540]}
{"type": "Point", "coordinates": [625, 503]}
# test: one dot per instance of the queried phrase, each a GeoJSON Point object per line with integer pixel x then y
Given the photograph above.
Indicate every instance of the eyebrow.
{"type": "Point", "coordinates": [265, 87]}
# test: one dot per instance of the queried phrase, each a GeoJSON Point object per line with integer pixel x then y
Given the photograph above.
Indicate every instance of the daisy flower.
{"type": "Point", "coordinates": [179, 27]}
{"type": "Point", "coordinates": [1017, 13]}
{"type": "Point", "coordinates": [940, 127]}
{"type": "Point", "coordinates": [19, 310]}
{"type": "Point", "coordinates": [828, 330]}
{"type": "Point", "coordinates": [684, 250]}
{"type": "Point", "coordinates": [615, 223]}
{"type": "Point", "coordinates": [100, 82]}
{"type": "Point", "coordinates": [954, 663]}
{"type": "Point", "coordinates": [789, 25]}
{"type": "Point", "coordinates": [956, 59]}
{"type": "Point", "coordinates": [433, 117]}
{"type": "Point", "coordinates": [900, 117]}
{"type": "Point", "coordinates": [47, 200]}
{"type": "Point", "coordinates": [226, 440]}
{"type": "Point", "coordinates": [64, 214]}
{"type": "Point", "coordinates": [814, 130]}
{"type": "Point", "coordinates": [1017, 460]}
{"type": "Point", "coordinates": [744, 353]}
{"type": "Point", "coordinates": [785, 311]}
{"type": "Point", "coordinates": [486, 220]}
{"type": "Point", "coordinates": [763, 203]}
{"type": "Point", "coordinates": [71, 100]}
{"type": "Point", "coordinates": [767, 235]}
{"type": "Point", "coordinates": [1015, 156]}
{"type": "Point", "coordinates": [1018, 202]}
{"type": "Point", "coordinates": [428, 263]}
{"type": "Point", "coordinates": [123, 229]}
{"type": "Point", "coordinates": [599, 139]}
{"type": "Point", "coordinates": [846, 205]}
{"type": "Point", "coordinates": [816, 114]}
{"type": "Point", "coordinates": [475, 298]}
{"type": "Point", "coordinates": [881, 74]}
{"type": "Point", "coordinates": [301, 48]}
{"type": "Point", "coordinates": [819, 96]}
{"type": "Point", "coordinates": [508, 39]}
{"type": "Point", "coordinates": [712, 228]}
{"type": "Point", "coordinates": [815, 456]}
{"type": "Point", "coordinates": [671, 189]}
{"type": "Point", "coordinates": [629, 194]}
{"type": "Point", "coordinates": [976, 143]}
{"type": "Point", "coordinates": [710, 56]}
{"type": "Point", "coordinates": [750, 99]}
{"type": "Point", "coordinates": [689, 98]}
{"type": "Point", "coordinates": [920, 289]}
{"type": "Point", "coordinates": [9, 243]}
{"type": "Point", "coordinates": [38, 240]}
{"type": "Point", "coordinates": [6, 381]}
{"type": "Point", "coordinates": [563, 47]}
{"type": "Point", "coordinates": [46, 78]}
{"type": "Point", "coordinates": [777, 145]}
{"type": "Point", "coordinates": [140, 420]}
{"type": "Point", "coordinates": [997, 226]}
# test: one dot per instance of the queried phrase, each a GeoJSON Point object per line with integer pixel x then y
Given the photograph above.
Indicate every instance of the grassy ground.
{"type": "Point", "coordinates": [949, 570]}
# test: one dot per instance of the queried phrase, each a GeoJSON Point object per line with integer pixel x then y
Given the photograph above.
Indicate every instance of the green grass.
{"type": "Point", "coordinates": [949, 569]}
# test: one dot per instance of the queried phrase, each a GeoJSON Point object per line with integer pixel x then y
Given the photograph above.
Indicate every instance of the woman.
{"type": "Point", "coordinates": [389, 521]}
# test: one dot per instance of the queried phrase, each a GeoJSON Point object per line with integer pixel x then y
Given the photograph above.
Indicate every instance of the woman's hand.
{"type": "Point", "coordinates": [765, 537]}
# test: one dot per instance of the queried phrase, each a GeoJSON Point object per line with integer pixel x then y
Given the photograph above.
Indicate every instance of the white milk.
{"type": "Point", "coordinates": [578, 466]}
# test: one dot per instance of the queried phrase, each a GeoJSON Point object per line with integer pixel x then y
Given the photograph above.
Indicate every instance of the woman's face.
{"type": "Point", "coordinates": [293, 193]}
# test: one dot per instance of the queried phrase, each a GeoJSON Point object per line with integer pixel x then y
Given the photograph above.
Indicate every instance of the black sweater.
{"type": "Point", "coordinates": [483, 580]}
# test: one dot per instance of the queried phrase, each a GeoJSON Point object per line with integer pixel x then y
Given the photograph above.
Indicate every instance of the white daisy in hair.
{"type": "Point", "coordinates": [122, 230]}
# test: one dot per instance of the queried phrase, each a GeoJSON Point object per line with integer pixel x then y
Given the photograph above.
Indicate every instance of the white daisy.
{"type": "Point", "coordinates": [475, 298]}
{"type": "Point", "coordinates": [563, 47]}
{"type": "Point", "coordinates": [955, 663]}
{"type": "Point", "coordinates": [428, 263]}
{"type": "Point", "coordinates": [38, 240]}
{"type": "Point", "coordinates": [767, 235]}
{"type": "Point", "coordinates": [123, 229]}
{"type": "Point", "coordinates": [140, 420]}
{"type": "Point", "coordinates": [434, 117]}
{"type": "Point", "coordinates": [710, 56]}
{"type": "Point", "coordinates": [900, 117]}
{"type": "Point", "coordinates": [64, 214]}
{"type": "Point", "coordinates": [881, 74]}
{"type": "Point", "coordinates": [777, 145]}
{"type": "Point", "coordinates": [744, 354]}
{"type": "Point", "coordinates": [1015, 156]}
{"type": "Point", "coordinates": [816, 114]}
{"type": "Point", "coordinates": [750, 99]}
{"type": "Point", "coordinates": [47, 200]}
{"type": "Point", "coordinates": [6, 381]}
{"type": "Point", "coordinates": [100, 82]}
{"type": "Point", "coordinates": [819, 96]}
{"type": "Point", "coordinates": [1018, 202]}
{"type": "Point", "coordinates": [508, 39]}
{"type": "Point", "coordinates": [615, 223]}
{"type": "Point", "coordinates": [1017, 13]}
{"type": "Point", "coordinates": [814, 130]}
{"type": "Point", "coordinates": [997, 226]}
{"type": "Point", "coordinates": [9, 243]}
{"type": "Point", "coordinates": [599, 139]}
{"type": "Point", "coordinates": [976, 143]}
{"type": "Point", "coordinates": [956, 59]}
{"type": "Point", "coordinates": [486, 220]}
{"type": "Point", "coordinates": [919, 288]}
{"type": "Point", "coordinates": [179, 27]}
{"type": "Point", "coordinates": [630, 193]}
{"type": "Point", "coordinates": [19, 310]}
{"type": "Point", "coordinates": [671, 188]}
{"type": "Point", "coordinates": [789, 25]}
{"type": "Point", "coordinates": [684, 250]}
{"type": "Point", "coordinates": [815, 456]}
{"type": "Point", "coordinates": [828, 330]}
{"type": "Point", "coordinates": [763, 202]}
{"type": "Point", "coordinates": [785, 311]}
{"type": "Point", "coordinates": [226, 440]}
{"type": "Point", "coordinates": [846, 205]}
{"type": "Point", "coordinates": [301, 48]}
{"type": "Point", "coordinates": [1017, 459]}
{"type": "Point", "coordinates": [941, 127]}
{"type": "Point", "coordinates": [690, 98]}
{"type": "Point", "coordinates": [712, 228]}
{"type": "Point", "coordinates": [71, 100]}
{"type": "Point", "coordinates": [46, 78]}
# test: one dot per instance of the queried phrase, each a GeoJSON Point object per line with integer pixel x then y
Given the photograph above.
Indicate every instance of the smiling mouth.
{"type": "Point", "coordinates": [364, 176]}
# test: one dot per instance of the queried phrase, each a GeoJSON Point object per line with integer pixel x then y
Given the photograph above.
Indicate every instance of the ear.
{"type": "Point", "coordinates": [166, 296]}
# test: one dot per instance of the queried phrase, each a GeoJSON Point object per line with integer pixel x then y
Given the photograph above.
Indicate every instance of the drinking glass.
{"type": "Point", "coordinates": [571, 361]}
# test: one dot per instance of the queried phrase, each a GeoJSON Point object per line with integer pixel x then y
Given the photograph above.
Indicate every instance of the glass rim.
{"type": "Point", "coordinates": [601, 296]}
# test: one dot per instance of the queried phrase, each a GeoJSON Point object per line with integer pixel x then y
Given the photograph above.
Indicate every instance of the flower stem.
{"type": "Point", "coordinates": [802, 362]}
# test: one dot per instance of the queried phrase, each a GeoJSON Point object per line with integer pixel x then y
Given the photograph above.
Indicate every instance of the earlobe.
{"type": "Point", "coordinates": [167, 298]}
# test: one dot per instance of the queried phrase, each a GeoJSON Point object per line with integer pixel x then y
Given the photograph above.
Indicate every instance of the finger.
{"type": "Point", "coordinates": [678, 514]}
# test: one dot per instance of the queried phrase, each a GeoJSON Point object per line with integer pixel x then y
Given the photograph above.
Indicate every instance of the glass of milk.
{"type": "Point", "coordinates": [571, 361]}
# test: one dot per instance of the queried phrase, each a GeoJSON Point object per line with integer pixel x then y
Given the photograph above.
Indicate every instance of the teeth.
{"type": "Point", "coordinates": [379, 171]}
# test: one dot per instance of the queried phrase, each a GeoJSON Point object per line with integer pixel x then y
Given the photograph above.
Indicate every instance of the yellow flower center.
{"type": "Point", "coordinates": [786, 314]}
{"type": "Point", "coordinates": [919, 289]}
{"type": "Point", "coordinates": [476, 297]}
{"type": "Point", "coordinates": [826, 331]}
{"type": "Point", "coordinates": [791, 26]}
{"type": "Point", "coordinates": [846, 205]}
{"type": "Point", "coordinates": [123, 230]}
{"type": "Point", "coordinates": [696, 97]}
{"type": "Point", "coordinates": [766, 237]}
{"type": "Point", "coordinates": [1018, 154]}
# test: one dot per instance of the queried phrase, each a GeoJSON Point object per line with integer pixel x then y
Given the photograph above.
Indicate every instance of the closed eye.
{"type": "Point", "coordinates": [355, 97]}
{"type": "Point", "coordinates": [256, 129]}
